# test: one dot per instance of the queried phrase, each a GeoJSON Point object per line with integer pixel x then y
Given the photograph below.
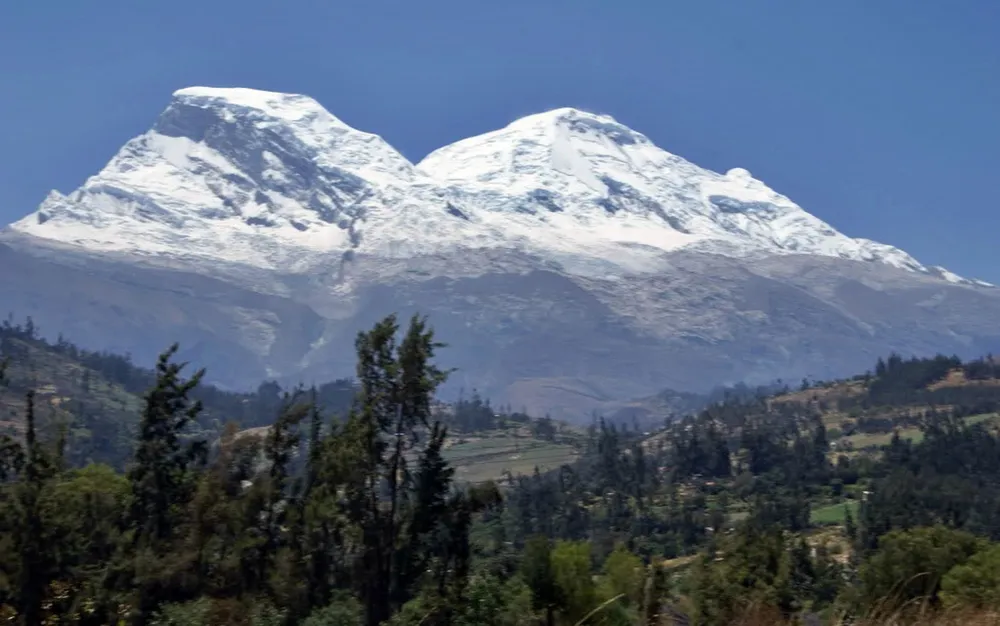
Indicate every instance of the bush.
{"type": "Point", "coordinates": [194, 613]}
{"type": "Point", "coordinates": [910, 564]}
{"type": "Point", "coordinates": [345, 610]}
{"type": "Point", "coordinates": [974, 584]}
{"type": "Point", "coordinates": [217, 612]}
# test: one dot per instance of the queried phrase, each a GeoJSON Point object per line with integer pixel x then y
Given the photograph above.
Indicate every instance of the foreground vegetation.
{"type": "Point", "coordinates": [355, 506]}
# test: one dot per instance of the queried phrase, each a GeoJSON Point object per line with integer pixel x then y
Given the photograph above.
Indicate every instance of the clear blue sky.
{"type": "Point", "coordinates": [879, 116]}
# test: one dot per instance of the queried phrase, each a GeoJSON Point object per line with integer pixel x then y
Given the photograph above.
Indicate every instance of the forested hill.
{"type": "Point", "coordinates": [837, 500]}
{"type": "Point", "coordinates": [829, 504]}
{"type": "Point", "coordinates": [897, 397]}
{"type": "Point", "coordinates": [97, 397]}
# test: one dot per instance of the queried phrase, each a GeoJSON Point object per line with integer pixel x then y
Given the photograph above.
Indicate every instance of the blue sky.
{"type": "Point", "coordinates": [879, 116]}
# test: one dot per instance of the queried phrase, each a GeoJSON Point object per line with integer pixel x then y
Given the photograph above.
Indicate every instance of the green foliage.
{"type": "Point", "coordinates": [626, 575]}
{"type": "Point", "coordinates": [571, 570]}
{"type": "Point", "coordinates": [895, 375]}
{"type": "Point", "coordinates": [949, 478]}
{"type": "Point", "coordinates": [194, 613]}
{"type": "Point", "coordinates": [352, 530]}
{"type": "Point", "coordinates": [397, 383]}
{"type": "Point", "coordinates": [359, 518]}
{"type": "Point", "coordinates": [490, 601]}
{"type": "Point", "coordinates": [96, 396]}
{"type": "Point", "coordinates": [975, 583]}
{"type": "Point", "coordinates": [162, 480]}
{"type": "Point", "coordinates": [80, 510]}
{"type": "Point", "coordinates": [910, 565]}
{"type": "Point", "coordinates": [756, 571]}
{"type": "Point", "coordinates": [345, 610]}
{"type": "Point", "coordinates": [473, 414]}
{"type": "Point", "coordinates": [701, 449]}
{"type": "Point", "coordinates": [539, 575]}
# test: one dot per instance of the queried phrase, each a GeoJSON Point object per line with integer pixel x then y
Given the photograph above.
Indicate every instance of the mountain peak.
{"type": "Point", "coordinates": [259, 177]}
{"type": "Point", "coordinates": [276, 104]}
{"type": "Point", "coordinates": [562, 115]}
{"type": "Point", "coordinates": [549, 150]}
{"type": "Point", "coordinates": [193, 111]}
{"type": "Point", "coordinates": [568, 120]}
{"type": "Point", "coordinates": [255, 177]}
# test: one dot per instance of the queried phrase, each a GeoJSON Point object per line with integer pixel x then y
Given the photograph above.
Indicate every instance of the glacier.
{"type": "Point", "coordinates": [275, 181]}
{"type": "Point", "coordinates": [569, 261]}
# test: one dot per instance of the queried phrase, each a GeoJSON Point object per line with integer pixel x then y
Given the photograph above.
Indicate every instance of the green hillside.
{"type": "Point", "coordinates": [822, 504]}
{"type": "Point", "coordinates": [96, 398]}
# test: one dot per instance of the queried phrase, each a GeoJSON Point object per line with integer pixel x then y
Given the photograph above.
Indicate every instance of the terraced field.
{"type": "Point", "coordinates": [485, 457]}
{"type": "Point", "coordinates": [861, 441]}
{"type": "Point", "coordinates": [834, 513]}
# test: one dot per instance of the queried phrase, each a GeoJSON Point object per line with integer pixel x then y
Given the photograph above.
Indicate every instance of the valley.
{"type": "Point", "coordinates": [614, 325]}
{"type": "Point", "coordinates": [821, 478]}
{"type": "Point", "coordinates": [499, 314]}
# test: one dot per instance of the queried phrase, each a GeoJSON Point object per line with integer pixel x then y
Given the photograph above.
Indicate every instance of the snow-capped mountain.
{"type": "Point", "coordinates": [521, 241]}
{"type": "Point", "coordinates": [275, 181]}
{"type": "Point", "coordinates": [245, 177]}
{"type": "Point", "coordinates": [599, 183]}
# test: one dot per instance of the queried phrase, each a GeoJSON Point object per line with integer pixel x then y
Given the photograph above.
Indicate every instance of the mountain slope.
{"type": "Point", "coordinates": [97, 397]}
{"type": "Point", "coordinates": [568, 261]}
{"type": "Point", "coordinates": [275, 181]}
{"type": "Point", "coordinates": [259, 179]}
{"type": "Point", "coordinates": [604, 181]}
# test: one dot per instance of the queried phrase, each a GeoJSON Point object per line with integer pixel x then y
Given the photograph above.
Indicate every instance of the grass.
{"type": "Point", "coordinates": [984, 417]}
{"type": "Point", "coordinates": [874, 440]}
{"type": "Point", "coordinates": [679, 562]}
{"type": "Point", "coordinates": [834, 513]}
{"type": "Point", "coordinates": [484, 458]}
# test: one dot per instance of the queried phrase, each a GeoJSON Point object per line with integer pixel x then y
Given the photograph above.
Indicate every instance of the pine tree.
{"type": "Point", "coordinates": [320, 554]}
{"type": "Point", "coordinates": [279, 445]}
{"type": "Point", "coordinates": [307, 580]}
{"type": "Point", "coordinates": [35, 557]}
{"type": "Point", "coordinates": [397, 383]}
{"type": "Point", "coordinates": [217, 532]}
{"type": "Point", "coordinates": [162, 481]}
{"type": "Point", "coordinates": [430, 507]}
{"type": "Point", "coordinates": [315, 443]}
{"type": "Point", "coordinates": [850, 527]}
{"type": "Point", "coordinates": [537, 571]}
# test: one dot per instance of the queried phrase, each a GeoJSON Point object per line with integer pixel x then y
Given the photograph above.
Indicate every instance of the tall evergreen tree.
{"type": "Point", "coordinates": [272, 489]}
{"type": "Point", "coordinates": [397, 383]}
{"type": "Point", "coordinates": [35, 557]}
{"type": "Point", "coordinates": [537, 571]}
{"type": "Point", "coordinates": [162, 481]}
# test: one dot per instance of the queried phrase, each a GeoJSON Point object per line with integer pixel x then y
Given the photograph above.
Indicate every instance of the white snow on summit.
{"type": "Point", "coordinates": [248, 177]}
{"type": "Point", "coordinates": [275, 181]}
{"type": "Point", "coordinates": [615, 185]}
